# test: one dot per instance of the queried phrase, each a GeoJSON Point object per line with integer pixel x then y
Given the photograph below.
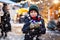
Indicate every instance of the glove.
{"type": "Point", "coordinates": [37, 25]}
{"type": "Point", "coordinates": [31, 26]}
{"type": "Point", "coordinates": [34, 25]}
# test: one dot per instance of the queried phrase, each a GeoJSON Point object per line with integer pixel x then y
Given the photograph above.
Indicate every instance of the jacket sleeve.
{"type": "Point", "coordinates": [43, 29]}
{"type": "Point", "coordinates": [26, 27]}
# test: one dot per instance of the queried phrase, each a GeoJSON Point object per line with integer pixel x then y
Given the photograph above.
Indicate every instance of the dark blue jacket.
{"type": "Point", "coordinates": [26, 28]}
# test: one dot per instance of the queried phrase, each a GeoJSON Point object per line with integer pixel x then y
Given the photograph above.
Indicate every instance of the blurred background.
{"type": "Point", "coordinates": [48, 9]}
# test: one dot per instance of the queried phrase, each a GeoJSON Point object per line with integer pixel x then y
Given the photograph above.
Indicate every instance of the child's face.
{"type": "Point", "coordinates": [33, 13]}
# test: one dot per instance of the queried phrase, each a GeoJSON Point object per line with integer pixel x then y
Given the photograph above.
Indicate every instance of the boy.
{"type": "Point", "coordinates": [34, 24]}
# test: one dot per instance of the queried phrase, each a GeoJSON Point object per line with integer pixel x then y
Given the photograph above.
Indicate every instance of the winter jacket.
{"type": "Point", "coordinates": [5, 19]}
{"type": "Point", "coordinates": [26, 27]}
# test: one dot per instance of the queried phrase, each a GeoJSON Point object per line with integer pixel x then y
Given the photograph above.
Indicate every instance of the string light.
{"type": "Point", "coordinates": [55, 1]}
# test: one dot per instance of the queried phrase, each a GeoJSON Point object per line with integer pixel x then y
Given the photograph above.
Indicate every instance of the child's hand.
{"type": "Point", "coordinates": [37, 25]}
{"type": "Point", "coordinates": [31, 26]}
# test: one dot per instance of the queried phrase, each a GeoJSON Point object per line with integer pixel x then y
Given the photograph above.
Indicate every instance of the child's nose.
{"type": "Point", "coordinates": [33, 12]}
